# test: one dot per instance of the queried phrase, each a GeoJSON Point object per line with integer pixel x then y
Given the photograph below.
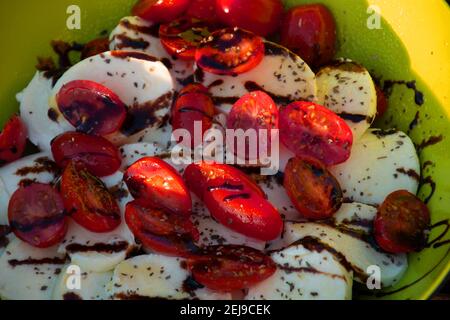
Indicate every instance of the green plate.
{"type": "Point", "coordinates": [411, 44]}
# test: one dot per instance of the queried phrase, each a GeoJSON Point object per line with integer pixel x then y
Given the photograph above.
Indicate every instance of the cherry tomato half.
{"type": "Point", "coordinates": [193, 106]}
{"type": "Point", "coordinates": [88, 200]}
{"type": "Point", "coordinates": [254, 111]}
{"type": "Point", "coordinates": [401, 223]}
{"type": "Point", "coordinates": [313, 190]}
{"type": "Point", "coordinates": [203, 10]}
{"type": "Point", "coordinates": [230, 51]}
{"type": "Point", "coordinates": [100, 157]}
{"type": "Point", "coordinates": [91, 107]}
{"type": "Point", "coordinates": [311, 130]}
{"type": "Point", "coordinates": [160, 10]}
{"type": "Point", "coordinates": [382, 102]}
{"type": "Point", "coordinates": [95, 47]}
{"type": "Point", "coordinates": [36, 215]}
{"type": "Point", "coordinates": [13, 140]}
{"type": "Point", "coordinates": [160, 230]}
{"type": "Point", "coordinates": [154, 181]}
{"type": "Point", "coordinates": [229, 268]}
{"type": "Point", "coordinates": [262, 17]}
{"type": "Point", "coordinates": [310, 31]}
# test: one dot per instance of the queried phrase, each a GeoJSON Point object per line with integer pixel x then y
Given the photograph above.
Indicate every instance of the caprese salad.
{"type": "Point", "coordinates": [103, 195]}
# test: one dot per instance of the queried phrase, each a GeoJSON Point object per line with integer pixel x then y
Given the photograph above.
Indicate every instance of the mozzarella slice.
{"type": "Point", "coordinates": [381, 162]}
{"type": "Point", "coordinates": [356, 216]}
{"type": "Point", "coordinates": [134, 33]}
{"type": "Point", "coordinates": [27, 273]}
{"type": "Point", "coordinates": [347, 88]}
{"type": "Point", "coordinates": [304, 274]}
{"type": "Point", "coordinates": [92, 286]}
{"type": "Point", "coordinates": [281, 73]}
{"type": "Point", "coordinates": [359, 254]}
{"type": "Point", "coordinates": [4, 201]}
{"type": "Point", "coordinates": [36, 113]}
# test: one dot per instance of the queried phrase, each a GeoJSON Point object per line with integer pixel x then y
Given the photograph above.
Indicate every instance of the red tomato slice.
{"type": "Point", "coordinates": [160, 10]}
{"type": "Point", "coordinates": [13, 140]}
{"type": "Point", "coordinates": [95, 47]}
{"type": "Point", "coordinates": [382, 102]}
{"type": "Point", "coordinates": [203, 10]}
{"type": "Point", "coordinates": [100, 157]}
{"type": "Point", "coordinates": [230, 268]}
{"type": "Point", "coordinates": [311, 130]}
{"type": "Point", "coordinates": [310, 31]}
{"type": "Point", "coordinates": [401, 223]}
{"type": "Point", "coordinates": [194, 104]}
{"type": "Point", "coordinates": [91, 107]}
{"type": "Point", "coordinates": [36, 215]}
{"type": "Point", "coordinates": [181, 37]}
{"type": "Point", "coordinates": [262, 17]}
{"type": "Point", "coordinates": [230, 51]}
{"type": "Point", "coordinates": [160, 230]}
{"type": "Point", "coordinates": [154, 181]}
{"type": "Point", "coordinates": [314, 191]}
{"type": "Point", "coordinates": [88, 200]}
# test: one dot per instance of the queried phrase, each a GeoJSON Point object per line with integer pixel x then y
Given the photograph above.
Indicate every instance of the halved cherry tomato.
{"type": "Point", "coordinates": [160, 10]}
{"type": "Point", "coordinates": [310, 31]}
{"type": "Point", "coordinates": [88, 200]}
{"type": "Point", "coordinates": [254, 111]}
{"type": "Point", "coordinates": [230, 51]}
{"type": "Point", "coordinates": [160, 230]}
{"type": "Point", "coordinates": [311, 130]}
{"type": "Point", "coordinates": [229, 268]}
{"type": "Point", "coordinates": [13, 140]}
{"type": "Point", "coordinates": [203, 10]}
{"type": "Point", "coordinates": [91, 107]}
{"type": "Point", "coordinates": [181, 37]}
{"type": "Point", "coordinates": [100, 157]}
{"type": "Point", "coordinates": [154, 181]}
{"type": "Point", "coordinates": [262, 17]}
{"type": "Point", "coordinates": [36, 215]}
{"type": "Point", "coordinates": [401, 223]}
{"type": "Point", "coordinates": [95, 47]}
{"type": "Point", "coordinates": [382, 102]}
{"type": "Point", "coordinates": [193, 106]}
{"type": "Point", "coordinates": [314, 191]}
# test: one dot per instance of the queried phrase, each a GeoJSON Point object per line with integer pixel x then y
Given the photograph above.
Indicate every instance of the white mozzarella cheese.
{"type": "Point", "coordinates": [347, 88]}
{"type": "Point", "coordinates": [360, 254]}
{"type": "Point", "coordinates": [28, 273]}
{"type": "Point", "coordinates": [92, 286]}
{"type": "Point", "coordinates": [356, 216]}
{"type": "Point", "coordinates": [4, 201]}
{"type": "Point", "coordinates": [281, 73]}
{"type": "Point", "coordinates": [135, 151]}
{"type": "Point", "coordinates": [381, 162]}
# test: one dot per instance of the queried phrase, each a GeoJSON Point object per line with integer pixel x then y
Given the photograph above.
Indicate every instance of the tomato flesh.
{"type": "Point", "coordinates": [154, 181]}
{"type": "Point", "coordinates": [401, 223]}
{"type": "Point", "coordinates": [262, 17]}
{"type": "Point", "coordinates": [314, 191]}
{"type": "Point", "coordinates": [100, 157]}
{"type": "Point", "coordinates": [229, 268]}
{"type": "Point", "coordinates": [13, 140]}
{"type": "Point", "coordinates": [311, 130]}
{"type": "Point", "coordinates": [36, 215]}
{"type": "Point", "coordinates": [310, 31]}
{"type": "Point", "coordinates": [160, 230]}
{"type": "Point", "coordinates": [160, 11]}
{"type": "Point", "coordinates": [203, 10]}
{"type": "Point", "coordinates": [91, 107]}
{"type": "Point", "coordinates": [88, 200]}
{"type": "Point", "coordinates": [382, 102]}
{"type": "Point", "coordinates": [230, 51]}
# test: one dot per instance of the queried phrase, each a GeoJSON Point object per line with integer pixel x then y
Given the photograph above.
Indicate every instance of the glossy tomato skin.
{"type": "Point", "coordinates": [382, 102]}
{"type": "Point", "coordinates": [231, 267]}
{"type": "Point", "coordinates": [230, 51]}
{"type": "Point", "coordinates": [88, 201]}
{"type": "Point", "coordinates": [160, 230]}
{"type": "Point", "coordinates": [152, 180]}
{"type": "Point", "coordinates": [401, 223]}
{"type": "Point", "coordinates": [100, 157]}
{"type": "Point", "coordinates": [91, 107]}
{"type": "Point", "coordinates": [203, 10]}
{"type": "Point", "coordinates": [314, 191]}
{"type": "Point", "coordinates": [13, 139]}
{"type": "Point", "coordinates": [310, 31]}
{"type": "Point", "coordinates": [36, 215]}
{"type": "Point", "coordinates": [311, 130]}
{"type": "Point", "coordinates": [160, 11]}
{"type": "Point", "coordinates": [262, 17]}
{"type": "Point", "coordinates": [194, 104]}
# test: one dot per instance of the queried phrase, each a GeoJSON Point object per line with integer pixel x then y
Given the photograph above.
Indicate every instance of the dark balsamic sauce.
{"type": "Point", "coordinates": [414, 123]}
{"type": "Point", "coordinates": [4, 231]}
{"type": "Point", "coordinates": [30, 261]}
{"type": "Point", "coordinates": [428, 181]}
{"type": "Point", "coordinates": [418, 95]}
{"type": "Point", "coordinates": [237, 196]}
{"type": "Point", "coordinates": [429, 142]}
{"type": "Point", "coordinates": [135, 43]}
{"type": "Point", "coordinates": [410, 173]}
{"type": "Point", "coordinates": [71, 296]}
{"type": "Point", "coordinates": [53, 115]}
{"type": "Point", "coordinates": [43, 164]}
{"type": "Point", "coordinates": [436, 242]}
{"type": "Point", "coordinates": [226, 186]}
{"type": "Point", "coordinates": [133, 54]}
{"type": "Point", "coordinates": [281, 100]}
{"type": "Point", "coordinates": [152, 31]}
{"type": "Point", "coordinates": [98, 247]}
{"type": "Point", "coordinates": [355, 118]}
